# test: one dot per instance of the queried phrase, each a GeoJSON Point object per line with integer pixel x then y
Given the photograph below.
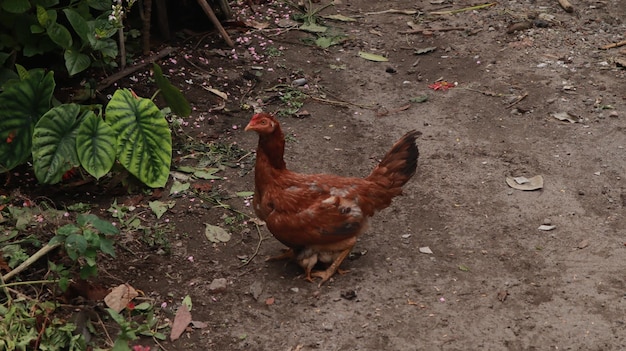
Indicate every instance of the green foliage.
{"type": "Point", "coordinates": [135, 133]}
{"type": "Point", "coordinates": [172, 95]}
{"type": "Point", "coordinates": [144, 139]}
{"type": "Point", "coordinates": [80, 31]}
{"type": "Point", "coordinates": [21, 328]}
{"type": "Point", "coordinates": [82, 241]}
{"type": "Point", "coordinates": [141, 321]}
{"type": "Point", "coordinates": [22, 103]}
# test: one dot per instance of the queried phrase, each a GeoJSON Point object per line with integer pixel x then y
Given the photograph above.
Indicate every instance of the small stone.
{"type": "Point", "coordinates": [218, 285]}
{"type": "Point", "coordinates": [295, 290]}
{"type": "Point", "coordinates": [613, 114]}
{"type": "Point", "coordinates": [547, 221]}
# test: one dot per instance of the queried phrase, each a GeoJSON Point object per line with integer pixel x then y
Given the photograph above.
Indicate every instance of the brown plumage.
{"type": "Point", "coordinates": [319, 216]}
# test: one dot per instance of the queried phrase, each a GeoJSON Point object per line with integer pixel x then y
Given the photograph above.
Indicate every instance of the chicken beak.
{"type": "Point", "coordinates": [248, 127]}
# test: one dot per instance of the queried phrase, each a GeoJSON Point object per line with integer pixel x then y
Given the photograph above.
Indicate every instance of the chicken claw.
{"type": "Point", "coordinates": [332, 269]}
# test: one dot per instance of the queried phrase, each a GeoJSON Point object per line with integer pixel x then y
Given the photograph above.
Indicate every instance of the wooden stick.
{"type": "Point", "coordinates": [32, 259]}
{"type": "Point", "coordinates": [132, 69]}
{"type": "Point", "coordinates": [613, 45]}
{"type": "Point", "coordinates": [209, 12]}
{"type": "Point", "coordinates": [566, 5]}
{"type": "Point", "coordinates": [421, 30]}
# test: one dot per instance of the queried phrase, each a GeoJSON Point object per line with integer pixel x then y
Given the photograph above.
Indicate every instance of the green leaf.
{"type": "Point", "coordinates": [75, 62]}
{"type": "Point", "coordinates": [313, 28]}
{"type": "Point", "coordinates": [42, 16]}
{"type": "Point", "coordinates": [68, 229]}
{"type": "Point", "coordinates": [21, 106]}
{"type": "Point", "coordinates": [95, 143]}
{"type": "Point", "coordinates": [179, 187]}
{"type": "Point", "coordinates": [174, 98]}
{"type": "Point", "coordinates": [59, 35]}
{"type": "Point", "coordinates": [84, 219]}
{"type": "Point", "coordinates": [88, 271]}
{"type": "Point", "coordinates": [464, 268]}
{"type": "Point", "coordinates": [207, 173]}
{"type": "Point", "coordinates": [79, 23]}
{"type": "Point", "coordinates": [15, 6]}
{"type": "Point", "coordinates": [159, 207]}
{"type": "Point", "coordinates": [105, 227]}
{"type": "Point", "coordinates": [54, 143]}
{"type": "Point", "coordinates": [372, 57]}
{"type": "Point", "coordinates": [75, 244]}
{"type": "Point", "coordinates": [106, 246]}
{"type": "Point", "coordinates": [244, 193]}
{"type": "Point", "coordinates": [326, 42]}
{"type": "Point", "coordinates": [144, 142]}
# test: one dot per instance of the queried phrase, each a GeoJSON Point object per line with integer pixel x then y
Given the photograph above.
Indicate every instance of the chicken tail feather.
{"type": "Point", "coordinates": [396, 168]}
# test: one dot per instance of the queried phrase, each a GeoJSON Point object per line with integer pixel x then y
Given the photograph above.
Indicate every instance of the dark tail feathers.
{"type": "Point", "coordinates": [398, 165]}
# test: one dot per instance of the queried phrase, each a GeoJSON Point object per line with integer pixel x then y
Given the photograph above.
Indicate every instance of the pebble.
{"type": "Point", "coordinates": [218, 285]}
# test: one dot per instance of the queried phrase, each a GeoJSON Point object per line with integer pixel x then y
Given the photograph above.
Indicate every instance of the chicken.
{"type": "Point", "coordinates": [319, 216]}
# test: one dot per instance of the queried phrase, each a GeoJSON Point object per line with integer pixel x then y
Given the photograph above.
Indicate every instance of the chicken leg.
{"type": "Point", "coordinates": [333, 268]}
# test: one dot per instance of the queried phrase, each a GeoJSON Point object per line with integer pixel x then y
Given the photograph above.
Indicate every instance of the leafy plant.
{"type": "Point", "coordinates": [140, 321]}
{"type": "Point", "coordinates": [41, 27]}
{"type": "Point", "coordinates": [84, 240]}
{"type": "Point", "coordinates": [135, 133]}
{"type": "Point", "coordinates": [27, 325]}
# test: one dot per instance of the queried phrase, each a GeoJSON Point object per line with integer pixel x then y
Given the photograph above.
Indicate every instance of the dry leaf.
{"type": "Point", "coordinates": [120, 296]}
{"type": "Point", "coordinates": [181, 321]}
{"type": "Point", "coordinates": [523, 183]}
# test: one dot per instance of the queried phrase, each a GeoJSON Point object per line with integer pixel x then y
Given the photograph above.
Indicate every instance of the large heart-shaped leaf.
{"type": "Point", "coordinates": [75, 62]}
{"type": "Point", "coordinates": [95, 143]}
{"type": "Point", "coordinates": [54, 143]}
{"type": "Point", "coordinates": [144, 139]}
{"type": "Point", "coordinates": [21, 105]}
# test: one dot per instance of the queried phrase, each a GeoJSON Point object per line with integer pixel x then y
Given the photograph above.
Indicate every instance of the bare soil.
{"type": "Point", "coordinates": [493, 281]}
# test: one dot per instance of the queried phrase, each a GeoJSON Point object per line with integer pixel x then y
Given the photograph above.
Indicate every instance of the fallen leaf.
{"type": "Point", "coordinates": [159, 207]}
{"type": "Point", "coordinates": [181, 321]}
{"type": "Point", "coordinates": [120, 296]}
{"type": "Point", "coordinates": [216, 92]}
{"type": "Point", "coordinates": [339, 17]}
{"type": "Point", "coordinates": [178, 187]}
{"type": "Point", "coordinates": [425, 50]}
{"type": "Point", "coordinates": [372, 57]}
{"type": "Point", "coordinates": [526, 184]}
{"type": "Point", "coordinates": [244, 193]}
{"type": "Point", "coordinates": [313, 28]}
{"type": "Point", "coordinates": [463, 268]}
{"type": "Point", "coordinates": [216, 234]}
{"type": "Point", "coordinates": [566, 116]}
{"type": "Point", "coordinates": [207, 174]}
{"type": "Point", "coordinates": [269, 301]}
{"type": "Point", "coordinates": [257, 25]}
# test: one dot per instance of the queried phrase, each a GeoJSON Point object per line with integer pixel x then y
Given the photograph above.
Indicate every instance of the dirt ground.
{"type": "Point", "coordinates": [493, 281]}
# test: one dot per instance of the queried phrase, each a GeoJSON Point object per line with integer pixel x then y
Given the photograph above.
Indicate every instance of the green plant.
{"type": "Point", "coordinates": [84, 240]}
{"type": "Point", "coordinates": [135, 133]}
{"type": "Point", "coordinates": [139, 321]}
{"type": "Point", "coordinates": [81, 31]}
{"type": "Point", "coordinates": [294, 99]}
{"type": "Point", "coordinates": [28, 325]}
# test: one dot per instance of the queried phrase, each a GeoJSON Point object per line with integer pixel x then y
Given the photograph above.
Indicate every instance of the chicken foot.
{"type": "Point", "coordinates": [332, 269]}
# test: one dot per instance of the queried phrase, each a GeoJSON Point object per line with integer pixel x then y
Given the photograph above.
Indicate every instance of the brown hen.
{"type": "Point", "coordinates": [319, 216]}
